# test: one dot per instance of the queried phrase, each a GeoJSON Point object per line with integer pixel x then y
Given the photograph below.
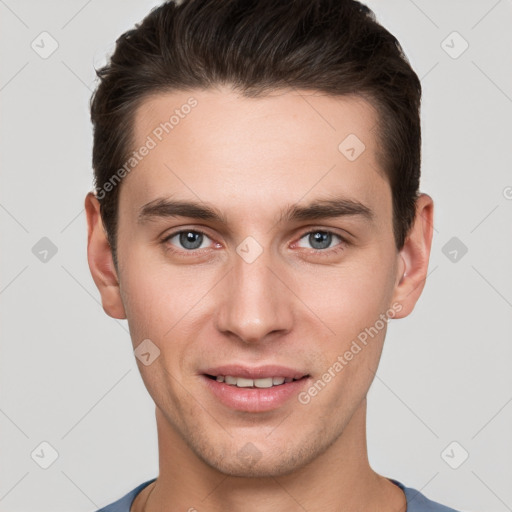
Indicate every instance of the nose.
{"type": "Point", "coordinates": [254, 305]}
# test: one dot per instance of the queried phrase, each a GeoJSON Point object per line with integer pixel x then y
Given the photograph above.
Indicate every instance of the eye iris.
{"type": "Point", "coordinates": [320, 239]}
{"type": "Point", "coordinates": [191, 239]}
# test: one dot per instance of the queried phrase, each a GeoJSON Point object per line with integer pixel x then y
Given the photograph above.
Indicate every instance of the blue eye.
{"type": "Point", "coordinates": [319, 240]}
{"type": "Point", "coordinates": [189, 240]}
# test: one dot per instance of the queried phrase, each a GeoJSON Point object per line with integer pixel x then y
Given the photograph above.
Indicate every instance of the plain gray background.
{"type": "Point", "coordinates": [67, 372]}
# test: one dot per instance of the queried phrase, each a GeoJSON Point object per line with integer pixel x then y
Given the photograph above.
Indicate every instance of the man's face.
{"type": "Point", "coordinates": [267, 280]}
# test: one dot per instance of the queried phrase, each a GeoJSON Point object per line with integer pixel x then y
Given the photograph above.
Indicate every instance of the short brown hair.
{"type": "Point", "coordinates": [257, 46]}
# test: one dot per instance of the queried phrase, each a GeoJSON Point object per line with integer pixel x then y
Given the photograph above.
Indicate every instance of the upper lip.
{"type": "Point", "coordinates": [259, 372]}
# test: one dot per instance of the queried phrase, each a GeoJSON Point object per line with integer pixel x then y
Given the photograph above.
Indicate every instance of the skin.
{"type": "Point", "coordinates": [295, 305]}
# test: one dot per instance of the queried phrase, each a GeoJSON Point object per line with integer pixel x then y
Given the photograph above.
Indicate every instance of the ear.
{"type": "Point", "coordinates": [414, 257]}
{"type": "Point", "coordinates": [101, 264]}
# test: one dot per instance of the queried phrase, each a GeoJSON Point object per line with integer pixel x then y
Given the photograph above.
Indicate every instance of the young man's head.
{"type": "Point", "coordinates": [257, 216]}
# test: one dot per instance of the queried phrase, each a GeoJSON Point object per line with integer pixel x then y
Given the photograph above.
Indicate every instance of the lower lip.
{"type": "Point", "coordinates": [254, 399]}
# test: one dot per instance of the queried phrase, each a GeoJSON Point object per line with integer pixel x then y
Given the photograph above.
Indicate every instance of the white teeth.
{"type": "Point", "coordinates": [263, 383]}
{"type": "Point", "coordinates": [242, 382]}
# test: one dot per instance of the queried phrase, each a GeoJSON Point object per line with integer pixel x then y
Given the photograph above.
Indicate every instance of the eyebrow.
{"type": "Point", "coordinates": [319, 209]}
{"type": "Point", "coordinates": [328, 208]}
{"type": "Point", "coordinates": [163, 208]}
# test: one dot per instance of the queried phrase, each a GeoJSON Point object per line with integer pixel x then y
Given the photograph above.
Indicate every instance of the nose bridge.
{"type": "Point", "coordinates": [255, 302]}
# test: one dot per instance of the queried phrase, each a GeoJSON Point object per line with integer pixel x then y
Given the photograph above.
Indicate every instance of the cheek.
{"type": "Point", "coordinates": [157, 308]}
{"type": "Point", "coordinates": [162, 301]}
{"type": "Point", "coordinates": [351, 303]}
{"type": "Point", "coordinates": [349, 299]}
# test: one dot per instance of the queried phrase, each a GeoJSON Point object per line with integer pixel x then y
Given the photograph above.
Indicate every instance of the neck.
{"type": "Point", "coordinates": [338, 479]}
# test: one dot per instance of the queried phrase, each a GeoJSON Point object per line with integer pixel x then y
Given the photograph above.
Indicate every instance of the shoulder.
{"type": "Point", "coordinates": [417, 502]}
{"type": "Point", "coordinates": [124, 503]}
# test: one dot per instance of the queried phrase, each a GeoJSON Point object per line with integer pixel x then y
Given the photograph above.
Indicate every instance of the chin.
{"type": "Point", "coordinates": [270, 468]}
{"type": "Point", "coordinates": [250, 462]}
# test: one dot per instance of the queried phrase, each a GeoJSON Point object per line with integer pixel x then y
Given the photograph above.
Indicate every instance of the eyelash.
{"type": "Point", "coordinates": [321, 252]}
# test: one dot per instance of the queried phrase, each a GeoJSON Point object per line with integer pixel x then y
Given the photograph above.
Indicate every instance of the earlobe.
{"type": "Point", "coordinates": [414, 257]}
{"type": "Point", "coordinates": [101, 264]}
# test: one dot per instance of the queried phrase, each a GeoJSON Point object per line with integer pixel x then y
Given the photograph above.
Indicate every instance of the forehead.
{"type": "Point", "coordinates": [260, 151]}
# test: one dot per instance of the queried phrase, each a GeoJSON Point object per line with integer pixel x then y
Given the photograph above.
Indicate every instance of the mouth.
{"type": "Point", "coordinates": [261, 383]}
{"type": "Point", "coordinates": [259, 389]}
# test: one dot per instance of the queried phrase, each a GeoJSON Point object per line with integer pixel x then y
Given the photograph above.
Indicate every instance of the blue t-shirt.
{"type": "Point", "coordinates": [416, 502]}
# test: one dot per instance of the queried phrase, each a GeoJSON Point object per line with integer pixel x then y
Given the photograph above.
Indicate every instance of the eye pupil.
{"type": "Point", "coordinates": [320, 239]}
{"type": "Point", "coordinates": [191, 239]}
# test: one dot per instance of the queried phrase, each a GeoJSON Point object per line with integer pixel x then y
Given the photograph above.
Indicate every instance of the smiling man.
{"type": "Point", "coordinates": [257, 221]}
